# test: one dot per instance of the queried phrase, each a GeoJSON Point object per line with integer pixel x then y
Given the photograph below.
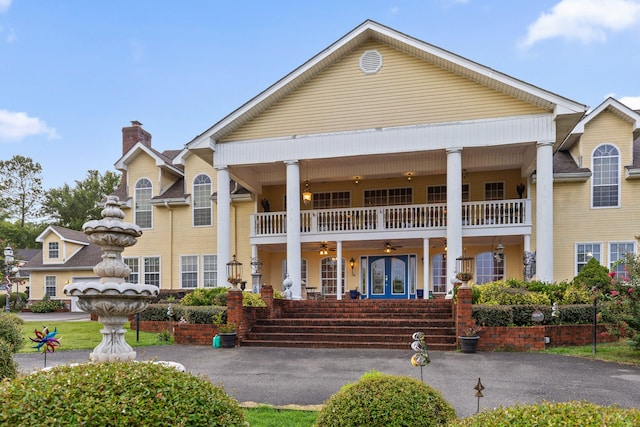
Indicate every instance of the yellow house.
{"type": "Point", "coordinates": [66, 256]}
{"type": "Point", "coordinates": [385, 165]}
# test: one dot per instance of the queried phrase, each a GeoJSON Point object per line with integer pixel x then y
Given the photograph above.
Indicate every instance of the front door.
{"type": "Point", "coordinates": [388, 276]}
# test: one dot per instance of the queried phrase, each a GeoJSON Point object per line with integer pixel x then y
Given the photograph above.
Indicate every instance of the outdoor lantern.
{"type": "Point", "coordinates": [8, 255]}
{"type": "Point", "coordinates": [352, 264]}
{"type": "Point", "coordinates": [234, 272]}
{"type": "Point", "coordinates": [306, 194]}
{"type": "Point", "coordinates": [465, 268]}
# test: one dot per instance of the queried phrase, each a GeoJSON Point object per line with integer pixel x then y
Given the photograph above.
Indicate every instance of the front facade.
{"type": "Point", "coordinates": [409, 158]}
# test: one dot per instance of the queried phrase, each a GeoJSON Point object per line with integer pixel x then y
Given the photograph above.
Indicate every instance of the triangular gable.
{"type": "Point", "coordinates": [161, 160]}
{"type": "Point", "coordinates": [614, 106]}
{"type": "Point", "coordinates": [371, 30]}
{"type": "Point", "coordinates": [64, 234]}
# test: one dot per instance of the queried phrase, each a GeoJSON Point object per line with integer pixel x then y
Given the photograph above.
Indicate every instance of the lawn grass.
{"type": "Point", "coordinates": [619, 352]}
{"type": "Point", "coordinates": [83, 335]}
{"type": "Point", "coordinates": [269, 416]}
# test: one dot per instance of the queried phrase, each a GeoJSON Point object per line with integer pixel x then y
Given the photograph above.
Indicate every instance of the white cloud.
{"type": "Point", "coordinates": [584, 20]}
{"type": "Point", "coordinates": [632, 102]}
{"type": "Point", "coordinates": [16, 126]}
{"type": "Point", "coordinates": [4, 5]}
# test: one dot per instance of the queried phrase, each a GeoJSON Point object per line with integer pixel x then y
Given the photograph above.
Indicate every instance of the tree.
{"type": "Point", "coordinates": [72, 207]}
{"type": "Point", "coordinates": [21, 188]}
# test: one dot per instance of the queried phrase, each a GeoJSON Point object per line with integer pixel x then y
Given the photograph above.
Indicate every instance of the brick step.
{"type": "Point", "coordinates": [359, 315]}
{"type": "Point", "coordinates": [353, 330]}
{"type": "Point", "coordinates": [369, 305]}
{"type": "Point", "coordinates": [353, 322]}
{"type": "Point", "coordinates": [342, 337]}
{"type": "Point", "coordinates": [342, 344]}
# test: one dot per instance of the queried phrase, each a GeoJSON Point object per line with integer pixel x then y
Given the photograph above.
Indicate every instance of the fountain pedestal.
{"type": "Point", "coordinates": [111, 298]}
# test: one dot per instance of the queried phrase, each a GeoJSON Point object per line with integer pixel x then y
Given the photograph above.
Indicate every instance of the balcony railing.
{"type": "Point", "coordinates": [387, 218]}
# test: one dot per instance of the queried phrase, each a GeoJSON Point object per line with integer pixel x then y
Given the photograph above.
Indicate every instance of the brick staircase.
{"type": "Point", "coordinates": [383, 324]}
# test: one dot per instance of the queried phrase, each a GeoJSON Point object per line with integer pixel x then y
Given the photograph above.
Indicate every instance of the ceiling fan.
{"type": "Point", "coordinates": [388, 248]}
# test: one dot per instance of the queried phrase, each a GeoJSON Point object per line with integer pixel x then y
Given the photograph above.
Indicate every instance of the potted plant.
{"type": "Point", "coordinates": [228, 333]}
{"type": "Point", "coordinates": [464, 276]}
{"type": "Point", "coordinates": [469, 339]}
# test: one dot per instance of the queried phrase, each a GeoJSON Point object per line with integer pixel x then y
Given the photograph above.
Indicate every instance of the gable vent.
{"type": "Point", "coordinates": [370, 62]}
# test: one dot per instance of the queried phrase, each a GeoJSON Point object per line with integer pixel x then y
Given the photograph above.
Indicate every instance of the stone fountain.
{"type": "Point", "coordinates": [111, 298]}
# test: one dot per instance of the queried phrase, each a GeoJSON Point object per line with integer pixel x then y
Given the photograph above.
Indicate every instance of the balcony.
{"type": "Point", "coordinates": [495, 213]}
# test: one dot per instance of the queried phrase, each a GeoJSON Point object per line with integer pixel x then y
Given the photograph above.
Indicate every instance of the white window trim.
{"type": "Point", "coordinates": [618, 242]}
{"type": "Point", "coordinates": [135, 196]}
{"type": "Point", "coordinates": [182, 257]}
{"type": "Point", "coordinates": [215, 264]}
{"type": "Point", "coordinates": [618, 205]}
{"type": "Point", "coordinates": [143, 271]}
{"type": "Point", "coordinates": [575, 254]}
{"type": "Point", "coordinates": [193, 208]}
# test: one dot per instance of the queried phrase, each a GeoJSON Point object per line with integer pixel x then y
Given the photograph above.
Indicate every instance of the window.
{"type": "Point", "coordinates": [606, 177]}
{"type": "Point", "coordinates": [303, 272]}
{"type": "Point", "coordinates": [50, 286]}
{"type": "Point", "coordinates": [618, 251]}
{"type": "Point", "coordinates": [488, 269]}
{"type": "Point", "coordinates": [438, 193]}
{"type": "Point", "coordinates": [210, 270]}
{"type": "Point", "coordinates": [53, 250]}
{"type": "Point", "coordinates": [494, 191]}
{"type": "Point", "coordinates": [388, 197]}
{"type": "Point", "coordinates": [333, 200]}
{"type": "Point", "coordinates": [584, 252]}
{"type": "Point", "coordinates": [439, 273]}
{"type": "Point", "coordinates": [189, 271]}
{"type": "Point", "coordinates": [142, 201]}
{"type": "Point", "coordinates": [152, 271]}
{"type": "Point", "coordinates": [329, 275]}
{"type": "Point", "coordinates": [202, 207]}
{"type": "Point", "coordinates": [133, 264]}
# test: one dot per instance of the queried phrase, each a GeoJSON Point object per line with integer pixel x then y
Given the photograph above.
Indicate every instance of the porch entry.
{"type": "Point", "coordinates": [391, 276]}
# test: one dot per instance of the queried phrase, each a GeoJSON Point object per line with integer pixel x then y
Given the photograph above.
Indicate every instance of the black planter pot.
{"type": "Point", "coordinates": [228, 340]}
{"type": "Point", "coordinates": [468, 344]}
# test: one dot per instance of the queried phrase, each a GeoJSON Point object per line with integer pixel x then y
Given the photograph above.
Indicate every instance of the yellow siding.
{"type": "Point", "coordinates": [37, 283]}
{"type": "Point", "coordinates": [405, 91]}
{"type": "Point", "coordinates": [575, 220]}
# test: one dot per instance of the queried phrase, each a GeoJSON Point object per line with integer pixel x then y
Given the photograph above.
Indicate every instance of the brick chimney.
{"type": "Point", "coordinates": [134, 134]}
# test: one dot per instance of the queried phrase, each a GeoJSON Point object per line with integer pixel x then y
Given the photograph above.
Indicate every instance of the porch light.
{"type": "Point", "coordinates": [234, 272]}
{"type": "Point", "coordinates": [306, 194]}
{"type": "Point", "coordinates": [352, 264]}
{"type": "Point", "coordinates": [324, 250]}
{"type": "Point", "coordinates": [465, 268]}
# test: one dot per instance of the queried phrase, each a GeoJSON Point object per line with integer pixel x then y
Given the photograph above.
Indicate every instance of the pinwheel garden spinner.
{"type": "Point", "coordinates": [46, 341]}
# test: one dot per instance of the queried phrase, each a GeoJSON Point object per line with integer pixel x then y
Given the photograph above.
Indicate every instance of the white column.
{"type": "Point", "coordinates": [544, 211]}
{"type": "Point", "coordinates": [223, 188]}
{"type": "Point", "coordinates": [454, 211]}
{"type": "Point", "coordinates": [339, 270]}
{"type": "Point", "coordinates": [294, 263]}
{"type": "Point", "coordinates": [426, 266]}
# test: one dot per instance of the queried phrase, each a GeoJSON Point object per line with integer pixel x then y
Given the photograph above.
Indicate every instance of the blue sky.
{"type": "Point", "coordinates": [74, 72]}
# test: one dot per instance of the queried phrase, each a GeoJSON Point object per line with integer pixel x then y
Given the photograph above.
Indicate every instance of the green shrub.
{"type": "Point", "coordinates": [8, 367]}
{"type": "Point", "coordinates": [576, 314]}
{"type": "Point", "coordinates": [116, 394]}
{"type": "Point", "coordinates": [493, 315]}
{"type": "Point", "coordinates": [17, 301]}
{"type": "Point", "coordinates": [386, 400]}
{"type": "Point", "coordinates": [46, 305]}
{"type": "Point", "coordinates": [11, 331]}
{"type": "Point", "coordinates": [196, 314]}
{"type": "Point", "coordinates": [203, 315]}
{"type": "Point", "coordinates": [576, 294]}
{"type": "Point", "coordinates": [583, 414]}
{"type": "Point", "coordinates": [594, 275]}
{"type": "Point", "coordinates": [249, 299]}
{"type": "Point", "coordinates": [501, 293]}
{"type": "Point", "coordinates": [520, 315]}
{"type": "Point", "coordinates": [203, 296]}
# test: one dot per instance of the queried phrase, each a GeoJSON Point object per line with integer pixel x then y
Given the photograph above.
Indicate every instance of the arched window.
{"type": "Point", "coordinates": [329, 275]}
{"type": "Point", "coordinates": [202, 207]}
{"type": "Point", "coordinates": [605, 183]}
{"type": "Point", "coordinates": [488, 268]}
{"type": "Point", "coordinates": [142, 200]}
{"type": "Point", "coordinates": [439, 273]}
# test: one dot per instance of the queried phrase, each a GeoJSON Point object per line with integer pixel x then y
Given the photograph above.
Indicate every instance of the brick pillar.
{"type": "Point", "coordinates": [266, 292]}
{"type": "Point", "coordinates": [464, 310]}
{"type": "Point", "coordinates": [235, 312]}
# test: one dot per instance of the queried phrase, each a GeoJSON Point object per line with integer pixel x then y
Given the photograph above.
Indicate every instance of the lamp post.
{"type": "Point", "coordinates": [8, 263]}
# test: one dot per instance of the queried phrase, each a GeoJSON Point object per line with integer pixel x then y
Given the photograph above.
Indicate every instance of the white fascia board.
{"type": "Point", "coordinates": [613, 103]}
{"type": "Point", "coordinates": [441, 136]}
{"type": "Point", "coordinates": [122, 163]}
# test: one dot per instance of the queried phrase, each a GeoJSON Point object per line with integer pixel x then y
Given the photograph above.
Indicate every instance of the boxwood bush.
{"type": "Point", "coordinates": [520, 315]}
{"type": "Point", "coordinates": [8, 368]}
{"type": "Point", "coordinates": [583, 414]}
{"type": "Point", "coordinates": [196, 314]}
{"type": "Point", "coordinates": [116, 394]}
{"type": "Point", "coordinates": [379, 399]}
{"type": "Point", "coordinates": [11, 330]}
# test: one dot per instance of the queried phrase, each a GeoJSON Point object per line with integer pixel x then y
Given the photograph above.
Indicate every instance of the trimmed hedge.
{"type": "Point", "coordinates": [197, 314]}
{"type": "Point", "coordinates": [583, 414]}
{"type": "Point", "coordinates": [116, 394]}
{"type": "Point", "coordinates": [385, 400]}
{"type": "Point", "coordinates": [520, 315]}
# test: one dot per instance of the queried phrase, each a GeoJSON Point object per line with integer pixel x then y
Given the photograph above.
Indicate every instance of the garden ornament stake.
{"type": "Point", "coordinates": [479, 387]}
{"type": "Point", "coordinates": [421, 357]}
